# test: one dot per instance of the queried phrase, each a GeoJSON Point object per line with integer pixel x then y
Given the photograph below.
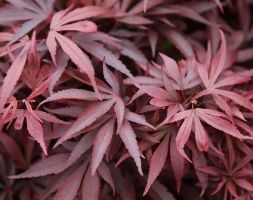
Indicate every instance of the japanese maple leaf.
{"type": "Point", "coordinates": [70, 174]}
{"type": "Point", "coordinates": [94, 43]}
{"type": "Point", "coordinates": [170, 84]}
{"type": "Point", "coordinates": [157, 162]}
{"type": "Point", "coordinates": [68, 177]}
{"type": "Point", "coordinates": [157, 9]}
{"type": "Point", "coordinates": [13, 74]}
{"type": "Point", "coordinates": [183, 75]}
{"type": "Point", "coordinates": [159, 156]}
{"type": "Point", "coordinates": [34, 118]}
{"type": "Point", "coordinates": [159, 159]}
{"type": "Point", "coordinates": [231, 172]}
{"type": "Point", "coordinates": [177, 76]}
{"type": "Point", "coordinates": [98, 44]}
{"type": "Point", "coordinates": [32, 12]}
{"type": "Point", "coordinates": [192, 121]}
{"type": "Point", "coordinates": [35, 71]}
{"type": "Point", "coordinates": [211, 76]}
{"type": "Point", "coordinates": [68, 185]}
{"type": "Point", "coordinates": [111, 99]}
{"type": "Point", "coordinates": [67, 20]}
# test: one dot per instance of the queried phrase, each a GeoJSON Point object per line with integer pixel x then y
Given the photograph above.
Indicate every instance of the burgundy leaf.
{"type": "Point", "coordinates": [12, 148]}
{"type": "Point", "coordinates": [219, 124]}
{"type": "Point", "coordinates": [219, 60]}
{"type": "Point", "coordinates": [50, 165]}
{"type": "Point", "coordinates": [127, 135]}
{"type": "Point", "coordinates": [78, 57]}
{"type": "Point", "coordinates": [139, 119]}
{"type": "Point", "coordinates": [35, 130]}
{"type": "Point", "coordinates": [184, 134]}
{"type": "Point", "coordinates": [177, 162]}
{"type": "Point", "coordinates": [81, 147]}
{"type": "Point", "coordinates": [201, 136]}
{"type": "Point", "coordinates": [13, 75]}
{"type": "Point", "coordinates": [104, 172]}
{"type": "Point", "coordinates": [70, 186]}
{"type": "Point", "coordinates": [86, 118]}
{"type": "Point", "coordinates": [243, 183]}
{"type": "Point", "coordinates": [101, 143]}
{"type": "Point", "coordinates": [91, 185]}
{"type": "Point", "coordinates": [119, 109]}
{"type": "Point", "coordinates": [157, 162]}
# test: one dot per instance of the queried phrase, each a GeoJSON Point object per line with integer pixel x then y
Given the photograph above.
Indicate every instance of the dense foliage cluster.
{"type": "Point", "coordinates": [126, 99]}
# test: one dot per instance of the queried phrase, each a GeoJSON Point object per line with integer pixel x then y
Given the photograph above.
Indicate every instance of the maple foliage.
{"type": "Point", "coordinates": [126, 99]}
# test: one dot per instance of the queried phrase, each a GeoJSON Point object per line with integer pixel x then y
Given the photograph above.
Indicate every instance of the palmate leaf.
{"type": "Point", "coordinates": [168, 81]}
{"type": "Point", "coordinates": [242, 101]}
{"type": "Point", "coordinates": [78, 57]}
{"type": "Point", "coordinates": [33, 13]}
{"type": "Point", "coordinates": [238, 166]}
{"type": "Point", "coordinates": [94, 111]}
{"type": "Point", "coordinates": [65, 21]}
{"type": "Point", "coordinates": [214, 81]}
{"type": "Point", "coordinates": [104, 138]}
{"type": "Point", "coordinates": [34, 118]}
{"type": "Point", "coordinates": [178, 76]}
{"type": "Point", "coordinates": [219, 123]}
{"type": "Point", "coordinates": [211, 117]}
{"type": "Point", "coordinates": [103, 66]}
